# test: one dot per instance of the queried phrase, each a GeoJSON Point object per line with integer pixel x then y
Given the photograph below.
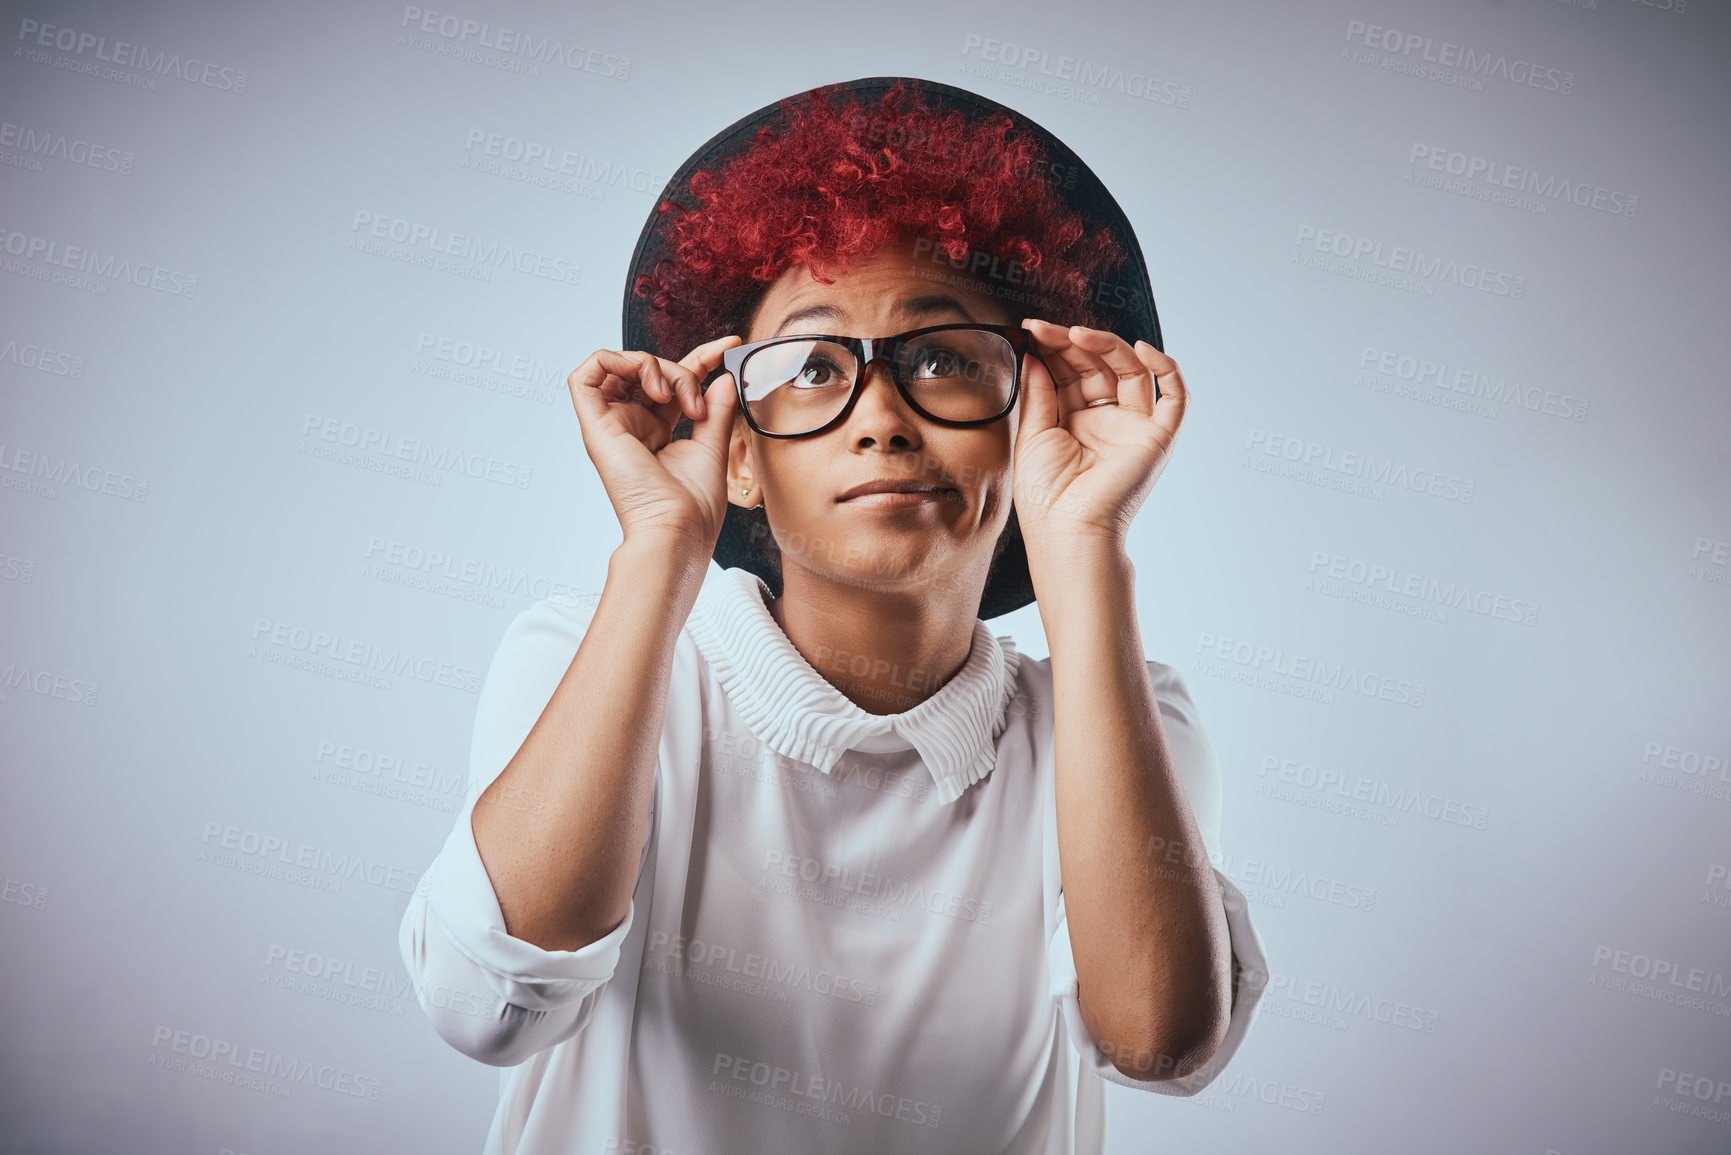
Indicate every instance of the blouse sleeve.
{"type": "Point", "coordinates": [1200, 774]}
{"type": "Point", "coordinates": [496, 998]}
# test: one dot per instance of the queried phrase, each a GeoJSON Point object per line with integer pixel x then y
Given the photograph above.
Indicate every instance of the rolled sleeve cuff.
{"type": "Point", "coordinates": [461, 900]}
{"type": "Point", "coordinates": [1250, 968]}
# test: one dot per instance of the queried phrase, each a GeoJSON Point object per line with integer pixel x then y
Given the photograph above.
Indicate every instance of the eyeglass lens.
{"type": "Point", "coordinates": [957, 375]}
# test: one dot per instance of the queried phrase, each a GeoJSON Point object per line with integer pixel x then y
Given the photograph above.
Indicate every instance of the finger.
{"type": "Point", "coordinates": [610, 378]}
{"type": "Point", "coordinates": [704, 358]}
{"type": "Point", "coordinates": [686, 387]}
{"type": "Point", "coordinates": [1174, 396]}
{"type": "Point", "coordinates": [654, 381]}
{"type": "Point", "coordinates": [1163, 367]}
{"type": "Point", "coordinates": [614, 372]}
{"type": "Point", "coordinates": [1132, 381]}
{"type": "Point", "coordinates": [663, 387]}
{"type": "Point", "coordinates": [625, 391]}
{"type": "Point", "coordinates": [586, 397]}
{"type": "Point", "coordinates": [605, 432]}
{"type": "Point", "coordinates": [1096, 378]}
{"type": "Point", "coordinates": [672, 389]}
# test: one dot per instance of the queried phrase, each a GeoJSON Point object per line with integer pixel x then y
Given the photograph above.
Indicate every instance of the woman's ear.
{"type": "Point", "coordinates": [741, 480]}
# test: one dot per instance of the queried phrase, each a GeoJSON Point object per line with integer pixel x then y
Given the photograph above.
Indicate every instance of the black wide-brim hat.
{"type": "Point", "coordinates": [1123, 302]}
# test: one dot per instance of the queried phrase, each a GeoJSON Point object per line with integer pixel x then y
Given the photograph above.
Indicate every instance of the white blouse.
{"type": "Point", "coordinates": [848, 930]}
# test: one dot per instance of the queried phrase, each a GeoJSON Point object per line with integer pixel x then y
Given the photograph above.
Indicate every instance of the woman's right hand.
{"type": "Point", "coordinates": [627, 404]}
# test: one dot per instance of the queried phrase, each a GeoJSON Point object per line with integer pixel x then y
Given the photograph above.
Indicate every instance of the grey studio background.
{"type": "Point", "coordinates": [290, 296]}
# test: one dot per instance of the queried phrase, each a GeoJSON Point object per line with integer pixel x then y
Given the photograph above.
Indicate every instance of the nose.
{"type": "Point", "coordinates": [881, 416]}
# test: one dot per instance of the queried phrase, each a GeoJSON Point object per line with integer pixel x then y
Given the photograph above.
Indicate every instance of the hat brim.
{"type": "Point", "coordinates": [1124, 303]}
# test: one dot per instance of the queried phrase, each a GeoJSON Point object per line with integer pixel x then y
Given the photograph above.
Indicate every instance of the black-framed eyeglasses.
{"type": "Point", "coordinates": [803, 384]}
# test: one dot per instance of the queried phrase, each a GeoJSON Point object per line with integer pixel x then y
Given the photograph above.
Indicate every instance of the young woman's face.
{"type": "Point", "coordinates": [879, 541]}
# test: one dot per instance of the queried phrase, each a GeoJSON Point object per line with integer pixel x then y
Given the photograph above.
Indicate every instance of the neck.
{"type": "Point", "coordinates": [886, 651]}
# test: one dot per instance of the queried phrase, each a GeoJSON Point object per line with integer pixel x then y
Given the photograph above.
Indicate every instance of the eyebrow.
{"type": "Point", "coordinates": [915, 307]}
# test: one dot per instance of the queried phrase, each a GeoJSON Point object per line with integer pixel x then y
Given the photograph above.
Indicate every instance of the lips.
{"type": "Point", "coordinates": [888, 486]}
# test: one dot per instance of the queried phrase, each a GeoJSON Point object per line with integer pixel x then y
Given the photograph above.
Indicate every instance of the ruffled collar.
{"type": "Point", "coordinates": [791, 708]}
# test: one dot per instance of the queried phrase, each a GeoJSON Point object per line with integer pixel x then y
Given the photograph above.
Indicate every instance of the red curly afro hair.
{"type": "Point", "coordinates": [838, 181]}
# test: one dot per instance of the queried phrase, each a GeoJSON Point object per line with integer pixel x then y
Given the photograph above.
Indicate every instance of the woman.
{"type": "Point", "coordinates": [796, 855]}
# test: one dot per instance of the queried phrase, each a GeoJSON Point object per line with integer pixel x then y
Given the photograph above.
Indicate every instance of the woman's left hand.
{"type": "Point", "coordinates": [1082, 473]}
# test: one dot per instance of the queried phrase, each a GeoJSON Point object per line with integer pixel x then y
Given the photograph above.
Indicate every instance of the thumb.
{"type": "Point", "coordinates": [716, 427]}
{"type": "Point", "coordinates": [1040, 404]}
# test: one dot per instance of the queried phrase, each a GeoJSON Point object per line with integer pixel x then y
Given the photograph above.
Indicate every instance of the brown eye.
{"type": "Point", "coordinates": [817, 372]}
{"type": "Point", "coordinates": [938, 361]}
{"type": "Point", "coordinates": [942, 363]}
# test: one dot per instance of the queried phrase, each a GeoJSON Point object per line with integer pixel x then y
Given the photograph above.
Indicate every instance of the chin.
{"type": "Point", "coordinates": [877, 566]}
{"type": "Point", "coordinates": [884, 557]}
